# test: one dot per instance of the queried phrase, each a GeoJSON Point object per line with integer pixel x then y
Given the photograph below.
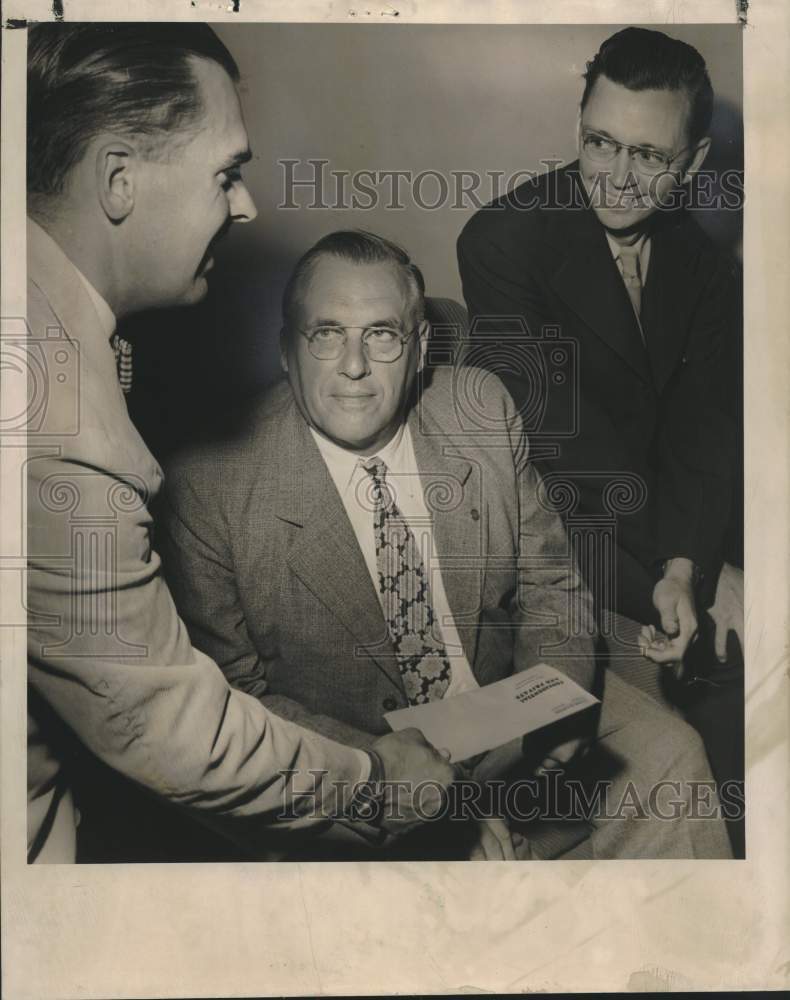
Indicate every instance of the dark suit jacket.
{"type": "Point", "coordinates": [538, 260]}
{"type": "Point", "coordinates": [268, 575]}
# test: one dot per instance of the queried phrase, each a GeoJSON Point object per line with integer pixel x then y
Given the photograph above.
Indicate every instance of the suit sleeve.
{"type": "Point", "coordinates": [697, 446]}
{"type": "Point", "coordinates": [108, 653]}
{"type": "Point", "coordinates": [507, 313]}
{"type": "Point", "coordinates": [199, 566]}
{"type": "Point", "coordinates": [495, 283]}
{"type": "Point", "coordinates": [552, 608]}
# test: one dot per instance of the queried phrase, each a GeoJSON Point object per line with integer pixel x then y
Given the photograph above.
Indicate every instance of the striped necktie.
{"type": "Point", "coordinates": [123, 361]}
{"type": "Point", "coordinates": [406, 597]}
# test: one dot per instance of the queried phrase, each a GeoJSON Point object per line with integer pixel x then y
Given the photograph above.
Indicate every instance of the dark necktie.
{"type": "Point", "coordinates": [406, 597]}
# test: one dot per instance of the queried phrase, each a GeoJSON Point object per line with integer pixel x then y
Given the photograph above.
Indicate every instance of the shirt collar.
{"type": "Point", "coordinates": [616, 247]}
{"type": "Point", "coordinates": [343, 464]}
{"type": "Point", "coordinates": [106, 315]}
{"type": "Point", "coordinates": [52, 250]}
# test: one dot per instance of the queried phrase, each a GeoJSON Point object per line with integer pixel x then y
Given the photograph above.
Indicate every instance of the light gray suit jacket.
{"type": "Point", "coordinates": [109, 660]}
{"type": "Point", "coordinates": [269, 578]}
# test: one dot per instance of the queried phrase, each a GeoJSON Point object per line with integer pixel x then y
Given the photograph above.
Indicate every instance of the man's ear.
{"type": "Point", "coordinates": [700, 152]}
{"type": "Point", "coordinates": [284, 350]}
{"type": "Point", "coordinates": [116, 163]}
{"type": "Point", "coordinates": [423, 332]}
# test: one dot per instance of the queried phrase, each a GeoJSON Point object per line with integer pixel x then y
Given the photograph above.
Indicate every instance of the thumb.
{"type": "Point", "coordinates": [666, 606]}
{"type": "Point", "coordinates": [721, 641]}
{"type": "Point", "coordinates": [669, 621]}
{"type": "Point", "coordinates": [560, 756]}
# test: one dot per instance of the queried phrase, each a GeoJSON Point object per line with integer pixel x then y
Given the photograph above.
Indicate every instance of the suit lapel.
{"type": "Point", "coordinates": [665, 315]}
{"type": "Point", "coordinates": [326, 556]}
{"type": "Point", "coordinates": [589, 282]}
{"type": "Point", "coordinates": [451, 488]}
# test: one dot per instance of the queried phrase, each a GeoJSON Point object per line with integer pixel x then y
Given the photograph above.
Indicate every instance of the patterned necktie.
{"type": "Point", "coordinates": [632, 277]}
{"type": "Point", "coordinates": [123, 361]}
{"type": "Point", "coordinates": [406, 597]}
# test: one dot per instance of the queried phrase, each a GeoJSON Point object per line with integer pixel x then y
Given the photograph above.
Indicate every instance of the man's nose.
{"type": "Point", "coordinates": [622, 173]}
{"type": "Point", "coordinates": [353, 361]}
{"type": "Point", "coordinates": [242, 207]}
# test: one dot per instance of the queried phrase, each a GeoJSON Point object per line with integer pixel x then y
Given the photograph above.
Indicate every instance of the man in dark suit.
{"type": "Point", "coordinates": [603, 255]}
{"type": "Point", "coordinates": [281, 553]}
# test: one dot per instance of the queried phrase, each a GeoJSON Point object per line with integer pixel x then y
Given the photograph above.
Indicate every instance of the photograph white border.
{"type": "Point", "coordinates": [434, 928]}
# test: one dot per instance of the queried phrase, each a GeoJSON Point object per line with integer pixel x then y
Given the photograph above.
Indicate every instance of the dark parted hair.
{"type": "Point", "coordinates": [358, 247]}
{"type": "Point", "coordinates": [650, 60]}
{"type": "Point", "coordinates": [130, 79]}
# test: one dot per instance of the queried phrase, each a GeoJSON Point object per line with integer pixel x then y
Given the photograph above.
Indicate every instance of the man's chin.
{"type": "Point", "coordinates": [196, 292]}
{"type": "Point", "coordinates": [620, 219]}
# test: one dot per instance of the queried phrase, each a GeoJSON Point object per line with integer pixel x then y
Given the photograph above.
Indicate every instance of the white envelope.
{"type": "Point", "coordinates": [488, 717]}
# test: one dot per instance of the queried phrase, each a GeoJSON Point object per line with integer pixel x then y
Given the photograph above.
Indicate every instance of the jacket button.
{"type": "Point", "coordinates": [390, 704]}
{"type": "Point", "coordinates": [475, 514]}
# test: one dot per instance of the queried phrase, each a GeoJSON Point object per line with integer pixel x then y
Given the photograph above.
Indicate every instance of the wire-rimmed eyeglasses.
{"type": "Point", "coordinates": [380, 343]}
{"type": "Point", "coordinates": [605, 149]}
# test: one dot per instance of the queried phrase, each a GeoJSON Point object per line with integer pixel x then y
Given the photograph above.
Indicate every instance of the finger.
{"type": "Point", "coordinates": [720, 642]}
{"type": "Point", "coordinates": [564, 752]}
{"type": "Point", "coordinates": [646, 637]}
{"type": "Point", "coordinates": [670, 652]}
{"type": "Point", "coordinates": [501, 832]}
{"type": "Point", "coordinates": [492, 849]}
{"type": "Point", "coordinates": [688, 623]}
{"type": "Point", "coordinates": [738, 629]}
{"type": "Point", "coordinates": [666, 606]}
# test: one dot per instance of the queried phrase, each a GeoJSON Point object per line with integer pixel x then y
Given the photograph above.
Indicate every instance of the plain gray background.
{"type": "Point", "coordinates": [393, 97]}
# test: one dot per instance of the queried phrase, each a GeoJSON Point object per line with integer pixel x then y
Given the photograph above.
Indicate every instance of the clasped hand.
{"type": "Point", "coordinates": [673, 598]}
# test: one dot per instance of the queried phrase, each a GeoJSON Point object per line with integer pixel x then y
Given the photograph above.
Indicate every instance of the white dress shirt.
{"type": "Point", "coordinates": [353, 484]}
{"type": "Point", "coordinates": [643, 243]}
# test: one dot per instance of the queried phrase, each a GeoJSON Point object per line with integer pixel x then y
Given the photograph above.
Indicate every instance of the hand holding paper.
{"type": "Point", "coordinates": [495, 715]}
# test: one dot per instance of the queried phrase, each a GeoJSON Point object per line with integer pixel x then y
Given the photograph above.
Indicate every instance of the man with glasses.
{"type": "Point", "coordinates": [135, 145]}
{"type": "Point", "coordinates": [602, 254]}
{"type": "Point", "coordinates": [357, 543]}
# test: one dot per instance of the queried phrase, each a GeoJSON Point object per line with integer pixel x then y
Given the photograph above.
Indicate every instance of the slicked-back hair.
{"type": "Point", "coordinates": [358, 247]}
{"type": "Point", "coordinates": [132, 80]}
{"type": "Point", "coordinates": [641, 59]}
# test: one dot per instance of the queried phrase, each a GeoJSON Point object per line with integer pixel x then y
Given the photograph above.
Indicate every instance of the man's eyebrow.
{"type": "Point", "coordinates": [389, 321]}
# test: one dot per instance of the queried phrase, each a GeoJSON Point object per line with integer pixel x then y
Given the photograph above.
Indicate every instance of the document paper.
{"type": "Point", "coordinates": [475, 721]}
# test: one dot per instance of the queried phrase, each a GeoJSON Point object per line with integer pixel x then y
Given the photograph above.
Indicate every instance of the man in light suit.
{"type": "Point", "coordinates": [305, 586]}
{"type": "Point", "coordinates": [603, 253]}
{"type": "Point", "coordinates": [135, 146]}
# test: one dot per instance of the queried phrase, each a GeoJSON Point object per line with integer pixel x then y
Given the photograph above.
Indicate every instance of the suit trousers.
{"type": "Point", "coordinates": [641, 745]}
{"type": "Point", "coordinates": [643, 789]}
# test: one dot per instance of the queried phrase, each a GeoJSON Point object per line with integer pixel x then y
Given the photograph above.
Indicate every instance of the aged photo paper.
{"type": "Point", "coordinates": [235, 929]}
